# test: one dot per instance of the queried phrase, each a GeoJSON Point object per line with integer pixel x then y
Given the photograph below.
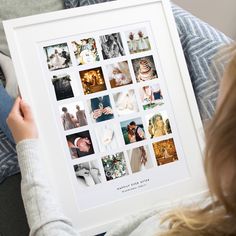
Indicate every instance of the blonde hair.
{"type": "Point", "coordinates": [219, 217]}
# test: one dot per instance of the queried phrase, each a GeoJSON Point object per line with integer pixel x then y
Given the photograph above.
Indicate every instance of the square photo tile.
{"type": "Point", "coordinates": [101, 109]}
{"type": "Point", "coordinates": [80, 144]}
{"type": "Point", "coordinates": [114, 166]}
{"type": "Point", "coordinates": [93, 80]}
{"type": "Point", "coordinates": [112, 46]}
{"type": "Point", "coordinates": [144, 68]}
{"type": "Point", "coordinates": [85, 51]}
{"type": "Point", "coordinates": [107, 137]}
{"type": "Point", "coordinates": [62, 86]}
{"type": "Point", "coordinates": [139, 159]}
{"type": "Point", "coordinates": [119, 74]}
{"type": "Point", "coordinates": [132, 130]}
{"type": "Point", "coordinates": [57, 56]}
{"type": "Point", "coordinates": [138, 40]}
{"type": "Point", "coordinates": [88, 174]}
{"type": "Point", "coordinates": [73, 115]}
{"type": "Point", "coordinates": [151, 96]}
{"type": "Point", "coordinates": [158, 124]}
{"type": "Point", "coordinates": [165, 151]}
{"type": "Point", "coordinates": [126, 102]}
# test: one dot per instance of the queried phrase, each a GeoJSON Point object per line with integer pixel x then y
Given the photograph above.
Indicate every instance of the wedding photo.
{"type": "Point", "coordinates": [144, 68]}
{"type": "Point", "coordinates": [57, 56]}
{"type": "Point", "coordinates": [114, 166]}
{"type": "Point", "coordinates": [62, 86]}
{"type": "Point", "coordinates": [88, 174]}
{"type": "Point", "coordinates": [85, 51]}
{"type": "Point", "coordinates": [80, 144]}
{"type": "Point", "coordinates": [137, 40]}
{"type": "Point", "coordinates": [165, 151]}
{"type": "Point", "coordinates": [112, 46]}
{"type": "Point", "coordinates": [132, 130]}
{"type": "Point", "coordinates": [158, 124]}
{"type": "Point", "coordinates": [73, 115]}
{"type": "Point", "coordinates": [140, 159]}
{"type": "Point", "coordinates": [119, 74]}
{"type": "Point", "coordinates": [151, 96]}
{"type": "Point", "coordinates": [92, 80]}
{"type": "Point", "coordinates": [100, 109]}
{"type": "Point", "coordinates": [107, 137]}
{"type": "Point", "coordinates": [126, 102]}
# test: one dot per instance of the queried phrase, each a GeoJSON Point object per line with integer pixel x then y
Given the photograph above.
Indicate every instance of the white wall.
{"type": "Point", "coordinates": [220, 14]}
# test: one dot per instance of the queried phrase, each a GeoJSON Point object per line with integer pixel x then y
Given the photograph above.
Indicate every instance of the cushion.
{"type": "Point", "coordinates": [8, 158]}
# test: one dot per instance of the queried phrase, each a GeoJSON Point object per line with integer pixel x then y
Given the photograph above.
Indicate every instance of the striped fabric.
{"type": "Point", "coordinates": [200, 44]}
{"type": "Point", "coordinates": [8, 158]}
{"type": "Point", "coordinates": [77, 3]}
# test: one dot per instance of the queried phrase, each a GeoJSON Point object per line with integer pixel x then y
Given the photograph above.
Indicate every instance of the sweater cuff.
{"type": "Point", "coordinates": [28, 156]}
{"type": "Point", "coordinates": [26, 145]}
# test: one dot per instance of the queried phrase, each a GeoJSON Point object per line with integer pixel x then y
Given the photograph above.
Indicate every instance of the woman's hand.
{"type": "Point", "coordinates": [21, 121]}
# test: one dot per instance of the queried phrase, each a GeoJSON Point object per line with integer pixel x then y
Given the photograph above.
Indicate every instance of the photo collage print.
{"type": "Point", "coordinates": [111, 104]}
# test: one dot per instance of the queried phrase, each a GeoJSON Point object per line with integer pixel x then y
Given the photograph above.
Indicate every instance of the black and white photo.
{"type": "Point", "coordinates": [112, 46]}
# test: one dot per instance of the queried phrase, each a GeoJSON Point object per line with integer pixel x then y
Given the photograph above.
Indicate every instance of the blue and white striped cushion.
{"type": "Point", "coordinates": [201, 43]}
{"type": "Point", "coordinates": [8, 158]}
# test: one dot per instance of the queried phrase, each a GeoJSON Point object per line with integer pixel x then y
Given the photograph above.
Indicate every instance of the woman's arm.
{"type": "Point", "coordinates": [43, 212]}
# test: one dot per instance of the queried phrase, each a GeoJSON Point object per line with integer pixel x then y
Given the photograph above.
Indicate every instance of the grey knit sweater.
{"type": "Point", "coordinates": [43, 212]}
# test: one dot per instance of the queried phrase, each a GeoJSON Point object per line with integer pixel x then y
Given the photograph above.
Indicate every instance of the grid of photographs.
{"type": "Point", "coordinates": [117, 123]}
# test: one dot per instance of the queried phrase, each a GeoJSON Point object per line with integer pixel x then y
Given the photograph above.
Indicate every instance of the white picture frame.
{"type": "Point", "coordinates": [26, 38]}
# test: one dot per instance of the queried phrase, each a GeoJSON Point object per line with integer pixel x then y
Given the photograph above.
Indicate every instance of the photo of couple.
{"type": "Point", "coordinates": [85, 51]}
{"type": "Point", "coordinates": [132, 130]}
{"type": "Point", "coordinates": [80, 144]}
{"type": "Point", "coordinates": [112, 46]}
{"type": "Point", "coordinates": [88, 174]}
{"type": "Point", "coordinates": [119, 74]}
{"type": "Point", "coordinates": [165, 151]}
{"type": "Point", "coordinates": [114, 166]}
{"type": "Point", "coordinates": [57, 56]}
{"type": "Point", "coordinates": [158, 124]}
{"type": "Point", "coordinates": [139, 159]}
{"type": "Point", "coordinates": [137, 40]}
{"type": "Point", "coordinates": [144, 68]}
{"type": "Point", "coordinates": [126, 102]}
{"type": "Point", "coordinates": [92, 80]}
{"type": "Point", "coordinates": [73, 115]}
{"type": "Point", "coordinates": [151, 96]}
{"type": "Point", "coordinates": [100, 108]}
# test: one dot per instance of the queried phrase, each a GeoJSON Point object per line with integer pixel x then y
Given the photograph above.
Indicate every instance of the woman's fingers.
{"type": "Point", "coordinates": [16, 107]}
{"type": "Point", "coordinates": [26, 110]}
{"type": "Point", "coordinates": [15, 113]}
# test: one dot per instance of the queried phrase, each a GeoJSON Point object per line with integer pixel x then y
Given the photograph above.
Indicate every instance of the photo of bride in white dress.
{"type": "Point", "coordinates": [57, 56]}
{"type": "Point", "coordinates": [119, 74]}
{"type": "Point", "coordinates": [139, 159]}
